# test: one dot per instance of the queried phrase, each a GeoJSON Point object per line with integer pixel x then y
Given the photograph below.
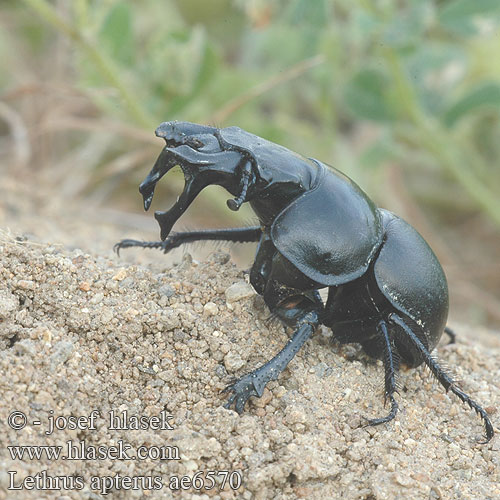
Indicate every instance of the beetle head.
{"type": "Point", "coordinates": [203, 160]}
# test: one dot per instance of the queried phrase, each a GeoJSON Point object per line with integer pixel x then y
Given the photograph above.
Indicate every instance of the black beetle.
{"type": "Point", "coordinates": [386, 288]}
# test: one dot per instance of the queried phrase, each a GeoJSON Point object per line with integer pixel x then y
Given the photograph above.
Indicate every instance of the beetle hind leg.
{"type": "Point", "coordinates": [451, 335]}
{"type": "Point", "coordinates": [391, 364]}
{"type": "Point", "coordinates": [443, 378]}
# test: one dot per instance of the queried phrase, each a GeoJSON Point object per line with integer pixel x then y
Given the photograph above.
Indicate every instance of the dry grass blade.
{"type": "Point", "coordinates": [88, 124]}
{"type": "Point", "coordinates": [18, 132]}
{"type": "Point", "coordinates": [126, 162]}
{"type": "Point", "coordinates": [293, 72]}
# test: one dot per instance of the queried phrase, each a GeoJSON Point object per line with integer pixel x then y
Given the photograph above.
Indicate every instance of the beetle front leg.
{"type": "Point", "coordinates": [175, 240]}
{"type": "Point", "coordinates": [297, 308]}
{"type": "Point", "coordinates": [253, 383]}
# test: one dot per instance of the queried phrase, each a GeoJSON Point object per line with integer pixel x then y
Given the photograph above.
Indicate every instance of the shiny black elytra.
{"type": "Point", "coordinates": [386, 288]}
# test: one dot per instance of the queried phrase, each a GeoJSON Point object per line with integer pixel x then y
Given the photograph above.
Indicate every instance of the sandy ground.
{"type": "Point", "coordinates": [84, 333]}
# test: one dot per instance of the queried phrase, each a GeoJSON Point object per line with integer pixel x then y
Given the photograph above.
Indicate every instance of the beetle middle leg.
{"type": "Point", "coordinates": [390, 368]}
{"type": "Point", "coordinates": [174, 240]}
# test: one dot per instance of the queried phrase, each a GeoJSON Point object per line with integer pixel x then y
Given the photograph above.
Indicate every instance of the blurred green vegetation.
{"type": "Point", "coordinates": [402, 95]}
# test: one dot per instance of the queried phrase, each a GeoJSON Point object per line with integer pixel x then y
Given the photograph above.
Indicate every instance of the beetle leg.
{"type": "Point", "coordinates": [451, 334]}
{"type": "Point", "coordinates": [174, 240]}
{"type": "Point", "coordinates": [390, 367]}
{"type": "Point", "coordinates": [443, 378]}
{"type": "Point", "coordinates": [253, 383]}
{"type": "Point", "coordinates": [298, 308]}
{"type": "Point", "coordinates": [261, 268]}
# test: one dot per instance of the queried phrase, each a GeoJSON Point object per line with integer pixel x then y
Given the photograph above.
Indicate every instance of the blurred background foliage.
{"type": "Point", "coordinates": [401, 95]}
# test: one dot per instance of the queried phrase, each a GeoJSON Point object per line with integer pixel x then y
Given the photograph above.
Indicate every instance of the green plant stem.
{"type": "Point", "coordinates": [433, 137]}
{"type": "Point", "coordinates": [438, 141]}
{"type": "Point", "coordinates": [105, 65]}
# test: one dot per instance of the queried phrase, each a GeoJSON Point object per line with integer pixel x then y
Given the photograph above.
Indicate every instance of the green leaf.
{"type": "Point", "coordinates": [470, 17]}
{"type": "Point", "coordinates": [378, 152]}
{"type": "Point", "coordinates": [305, 12]}
{"type": "Point", "coordinates": [435, 70]}
{"type": "Point", "coordinates": [409, 25]}
{"type": "Point", "coordinates": [205, 71]}
{"type": "Point", "coordinates": [366, 95]}
{"type": "Point", "coordinates": [484, 96]}
{"type": "Point", "coordinates": [116, 33]}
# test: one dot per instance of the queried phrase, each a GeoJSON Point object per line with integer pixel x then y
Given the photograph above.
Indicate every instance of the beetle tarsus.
{"type": "Point", "coordinates": [136, 243]}
{"type": "Point", "coordinates": [165, 246]}
{"type": "Point", "coordinates": [390, 416]}
{"type": "Point", "coordinates": [249, 385]}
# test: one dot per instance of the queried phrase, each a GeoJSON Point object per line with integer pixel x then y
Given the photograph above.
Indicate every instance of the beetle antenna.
{"type": "Point", "coordinates": [236, 203]}
{"type": "Point", "coordinates": [443, 378]}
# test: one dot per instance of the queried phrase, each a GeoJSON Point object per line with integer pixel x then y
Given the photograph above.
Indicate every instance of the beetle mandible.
{"type": "Point", "coordinates": [386, 289]}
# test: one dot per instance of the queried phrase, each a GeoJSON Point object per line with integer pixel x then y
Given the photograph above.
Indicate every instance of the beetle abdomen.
{"type": "Point", "coordinates": [331, 232]}
{"type": "Point", "coordinates": [410, 276]}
